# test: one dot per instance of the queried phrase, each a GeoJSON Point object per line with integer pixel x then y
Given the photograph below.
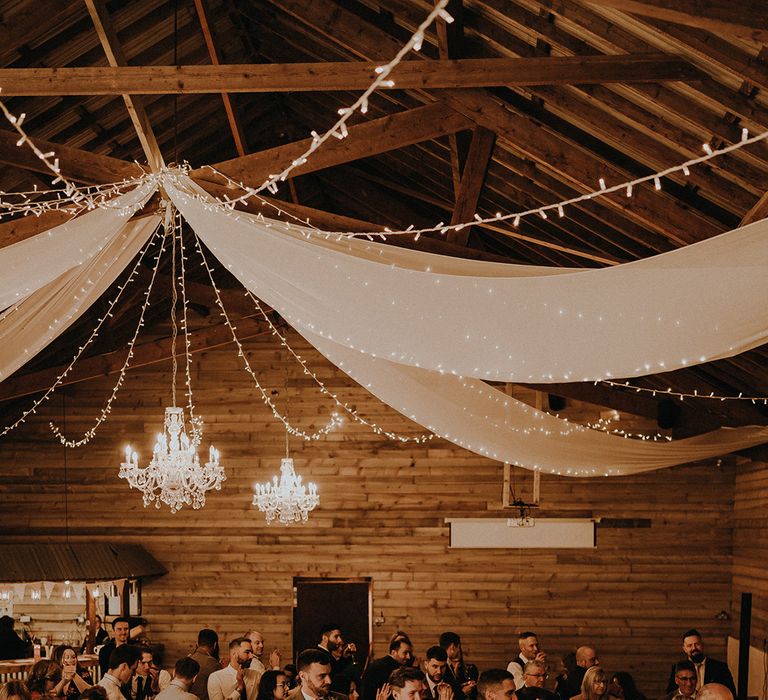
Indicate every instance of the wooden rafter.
{"type": "Point", "coordinates": [116, 58]}
{"type": "Point", "coordinates": [757, 212]}
{"type": "Point", "coordinates": [76, 164]}
{"type": "Point", "coordinates": [450, 46]}
{"type": "Point", "coordinates": [746, 19]}
{"type": "Point", "coordinates": [472, 181]}
{"type": "Point", "coordinates": [296, 77]}
{"type": "Point", "coordinates": [366, 139]}
{"type": "Point", "coordinates": [232, 117]}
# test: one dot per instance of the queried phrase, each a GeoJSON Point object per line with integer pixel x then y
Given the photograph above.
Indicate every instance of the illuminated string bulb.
{"type": "Point", "coordinates": [515, 217]}
{"type": "Point", "coordinates": [335, 419]}
{"type": "Point", "coordinates": [107, 408]}
{"type": "Point", "coordinates": [686, 395]}
{"type": "Point", "coordinates": [60, 379]}
{"type": "Point", "coordinates": [339, 129]}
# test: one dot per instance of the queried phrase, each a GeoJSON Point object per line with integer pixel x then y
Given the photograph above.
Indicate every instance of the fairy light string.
{"type": "Point", "coordinates": [94, 333]}
{"type": "Point", "coordinates": [555, 209]}
{"type": "Point", "coordinates": [107, 408]}
{"type": "Point", "coordinates": [696, 394]}
{"type": "Point", "coordinates": [336, 419]}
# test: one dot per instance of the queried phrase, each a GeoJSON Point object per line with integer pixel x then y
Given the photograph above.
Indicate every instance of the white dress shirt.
{"type": "Point", "coordinates": [176, 690]}
{"type": "Point", "coordinates": [112, 686]}
{"type": "Point", "coordinates": [222, 685]}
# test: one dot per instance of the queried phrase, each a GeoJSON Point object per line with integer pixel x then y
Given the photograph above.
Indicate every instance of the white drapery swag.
{"type": "Point", "coordinates": [29, 265]}
{"type": "Point", "coordinates": [27, 327]}
{"type": "Point", "coordinates": [298, 276]}
{"type": "Point", "coordinates": [682, 308]}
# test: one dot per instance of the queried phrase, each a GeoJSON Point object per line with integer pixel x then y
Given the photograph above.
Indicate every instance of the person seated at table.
{"type": "Point", "coordinates": [11, 645]}
{"type": "Point", "coordinates": [76, 678]}
{"type": "Point", "coordinates": [45, 679]}
{"type": "Point", "coordinates": [14, 690]}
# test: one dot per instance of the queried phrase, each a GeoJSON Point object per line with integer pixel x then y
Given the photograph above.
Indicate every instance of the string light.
{"type": "Point", "coordinates": [107, 408]}
{"type": "Point", "coordinates": [60, 379]}
{"type": "Point", "coordinates": [339, 130]}
{"type": "Point", "coordinates": [335, 419]}
{"type": "Point", "coordinates": [687, 395]}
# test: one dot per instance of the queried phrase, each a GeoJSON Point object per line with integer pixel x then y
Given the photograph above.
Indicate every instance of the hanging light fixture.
{"type": "Point", "coordinates": [175, 476]}
{"type": "Point", "coordinates": [286, 498]}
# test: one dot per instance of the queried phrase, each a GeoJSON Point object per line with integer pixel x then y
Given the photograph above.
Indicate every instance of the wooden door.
{"type": "Point", "coordinates": [345, 602]}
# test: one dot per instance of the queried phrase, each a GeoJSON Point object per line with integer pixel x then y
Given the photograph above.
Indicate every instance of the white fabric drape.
{"type": "Point", "coordinates": [28, 265]}
{"type": "Point", "coordinates": [298, 276]}
{"type": "Point", "coordinates": [482, 419]}
{"type": "Point", "coordinates": [28, 327]}
{"type": "Point", "coordinates": [682, 308]}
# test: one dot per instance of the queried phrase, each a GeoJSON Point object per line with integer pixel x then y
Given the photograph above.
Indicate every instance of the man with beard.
{"type": "Point", "coordinates": [314, 676]}
{"type": "Point", "coordinates": [377, 673]}
{"type": "Point", "coordinates": [236, 681]}
{"type": "Point", "coordinates": [707, 670]}
{"type": "Point", "coordinates": [343, 667]}
{"type": "Point", "coordinates": [434, 667]}
{"type": "Point", "coordinates": [496, 684]}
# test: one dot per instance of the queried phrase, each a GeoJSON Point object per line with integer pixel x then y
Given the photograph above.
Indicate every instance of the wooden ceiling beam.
{"type": "Point", "coordinates": [367, 139]}
{"type": "Point", "coordinates": [519, 129]}
{"type": "Point", "coordinates": [472, 182]}
{"type": "Point", "coordinates": [327, 76]}
{"type": "Point", "coordinates": [116, 58]}
{"type": "Point", "coordinates": [758, 211]}
{"type": "Point", "coordinates": [232, 117]}
{"type": "Point", "coordinates": [747, 19]}
{"type": "Point", "coordinates": [76, 164]}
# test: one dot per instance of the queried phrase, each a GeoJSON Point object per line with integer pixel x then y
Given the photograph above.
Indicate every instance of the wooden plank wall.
{"type": "Point", "coordinates": [750, 547]}
{"type": "Point", "coordinates": [382, 516]}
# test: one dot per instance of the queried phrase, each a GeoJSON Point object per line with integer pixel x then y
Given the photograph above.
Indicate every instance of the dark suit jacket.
{"type": "Point", "coordinates": [714, 672]}
{"type": "Point", "coordinates": [376, 675]}
{"type": "Point", "coordinates": [526, 693]}
{"type": "Point", "coordinates": [464, 673]}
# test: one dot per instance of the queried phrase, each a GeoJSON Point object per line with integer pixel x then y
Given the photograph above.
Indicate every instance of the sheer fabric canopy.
{"type": "Point", "coordinates": [682, 308]}
{"type": "Point", "coordinates": [422, 331]}
{"type": "Point", "coordinates": [297, 275]}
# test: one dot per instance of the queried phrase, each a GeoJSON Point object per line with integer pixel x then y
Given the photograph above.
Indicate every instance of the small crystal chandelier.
{"type": "Point", "coordinates": [174, 476]}
{"type": "Point", "coordinates": [286, 499]}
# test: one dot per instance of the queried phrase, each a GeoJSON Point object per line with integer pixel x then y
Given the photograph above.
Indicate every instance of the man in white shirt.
{"type": "Point", "coordinates": [184, 674]}
{"type": "Point", "coordinates": [122, 665]}
{"type": "Point", "coordinates": [529, 651]}
{"type": "Point", "coordinates": [257, 643]}
{"type": "Point", "coordinates": [235, 682]}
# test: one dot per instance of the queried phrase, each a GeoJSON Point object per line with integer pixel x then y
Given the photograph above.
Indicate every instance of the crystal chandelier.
{"type": "Point", "coordinates": [288, 499]}
{"type": "Point", "coordinates": [175, 476]}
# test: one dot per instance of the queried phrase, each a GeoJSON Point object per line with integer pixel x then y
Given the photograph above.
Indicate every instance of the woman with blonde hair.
{"type": "Point", "coordinates": [594, 686]}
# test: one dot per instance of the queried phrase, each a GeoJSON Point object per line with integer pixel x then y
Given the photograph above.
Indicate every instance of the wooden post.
{"type": "Point", "coordinates": [745, 631]}
{"type": "Point", "coordinates": [90, 620]}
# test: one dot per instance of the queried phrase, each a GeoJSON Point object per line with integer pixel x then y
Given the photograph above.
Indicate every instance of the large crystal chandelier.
{"type": "Point", "coordinates": [175, 476]}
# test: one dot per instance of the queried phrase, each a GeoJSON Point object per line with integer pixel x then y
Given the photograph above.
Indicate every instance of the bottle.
{"type": "Point", "coordinates": [36, 651]}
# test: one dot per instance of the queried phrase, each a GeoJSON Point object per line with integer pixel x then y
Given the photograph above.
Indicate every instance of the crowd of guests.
{"type": "Point", "coordinates": [329, 671]}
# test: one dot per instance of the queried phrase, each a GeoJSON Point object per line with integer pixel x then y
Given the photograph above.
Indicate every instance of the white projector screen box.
{"type": "Point", "coordinates": [545, 533]}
